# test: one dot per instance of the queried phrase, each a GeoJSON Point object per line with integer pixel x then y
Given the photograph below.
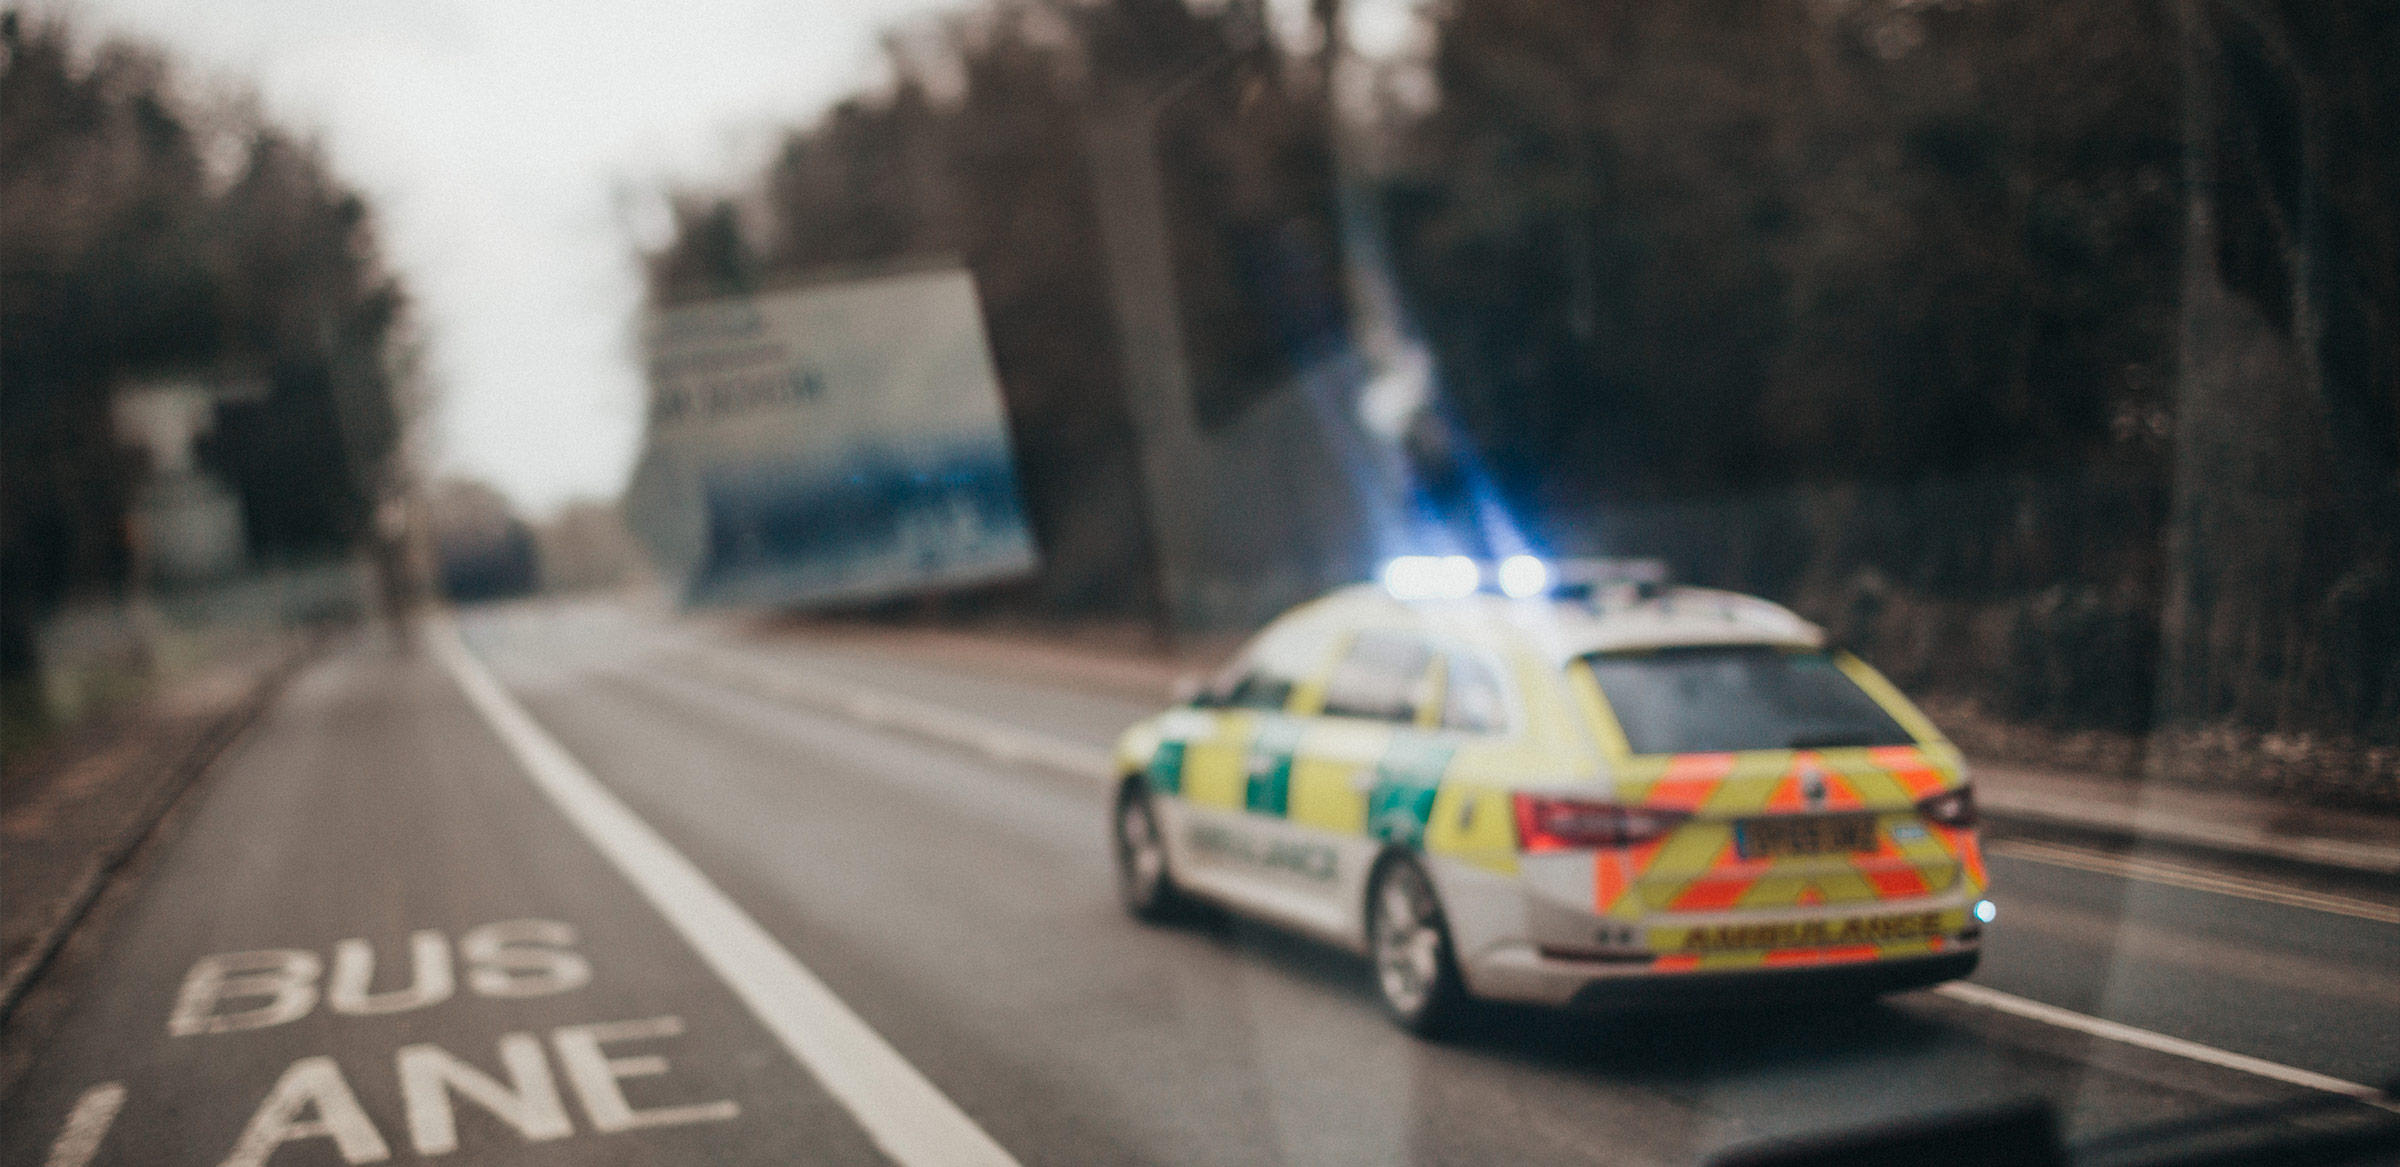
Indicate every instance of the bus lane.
{"type": "Point", "coordinates": [372, 941]}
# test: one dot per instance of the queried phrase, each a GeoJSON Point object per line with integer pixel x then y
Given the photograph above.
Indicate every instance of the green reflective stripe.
{"type": "Point", "coordinates": [1405, 782]}
{"type": "Point", "coordinates": [1165, 771]}
{"type": "Point", "coordinates": [1269, 789]}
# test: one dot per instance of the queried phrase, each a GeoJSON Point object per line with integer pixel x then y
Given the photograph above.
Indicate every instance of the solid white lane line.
{"type": "Point", "coordinates": [996, 740]}
{"type": "Point", "coordinates": [2197, 879]}
{"type": "Point", "coordinates": [909, 1119]}
{"type": "Point", "coordinates": [95, 1111]}
{"type": "Point", "coordinates": [2032, 1010]}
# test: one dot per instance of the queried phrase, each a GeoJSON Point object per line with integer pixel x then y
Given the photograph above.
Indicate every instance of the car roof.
{"type": "Point", "coordinates": [1610, 620]}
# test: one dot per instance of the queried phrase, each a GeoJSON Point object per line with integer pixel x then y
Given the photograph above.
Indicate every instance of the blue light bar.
{"type": "Point", "coordinates": [1432, 577]}
{"type": "Point", "coordinates": [1519, 577]}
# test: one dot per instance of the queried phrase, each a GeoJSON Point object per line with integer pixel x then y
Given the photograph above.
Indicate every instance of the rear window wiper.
{"type": "Point", "coordinates": [1832, 740]}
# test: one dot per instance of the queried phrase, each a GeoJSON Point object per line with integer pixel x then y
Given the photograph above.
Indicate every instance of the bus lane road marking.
{"type": "Point", "coordinates": [908, 1118]}
{"type": "Point", "coordinates": [314, 1098]}
{"type": "Point", "coordinates": [86, 1125]}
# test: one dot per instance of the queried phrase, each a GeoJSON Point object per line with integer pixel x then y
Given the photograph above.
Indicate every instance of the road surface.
{"type": "Point", "coordinates": [699, 903]}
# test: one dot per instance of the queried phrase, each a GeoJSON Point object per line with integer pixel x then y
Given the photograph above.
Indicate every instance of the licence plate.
{"type": "Point", "coordinates": [1810, 835]}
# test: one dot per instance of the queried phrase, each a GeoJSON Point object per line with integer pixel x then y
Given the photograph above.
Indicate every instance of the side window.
{"type": "Point", "coordinates": [1266, 673]}
{"type": "Point", "coordinates": [1382, 677]}
{"type": "Point", "coordinates": [1257, 689]}
{"type": "Point", "coordinates": [1473, 700]}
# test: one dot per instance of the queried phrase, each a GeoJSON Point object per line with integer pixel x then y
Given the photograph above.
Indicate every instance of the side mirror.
{"type": "Point", "coordinates": [1190, 689]}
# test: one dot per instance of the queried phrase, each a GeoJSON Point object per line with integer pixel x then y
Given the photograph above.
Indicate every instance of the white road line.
{"type": "Point", "coordinates": [996, 740]}
{"type": "Point", "coordinates": [2010, 1003]}
{"type": "Point", "coordinates": [86, 1125]}
{"type": "Point", "coordinates": [2197, 879]}
{"type": "Point", "coordinates": [909, 1119]}
{"type": "Point", "coordinates": [2167, 827]}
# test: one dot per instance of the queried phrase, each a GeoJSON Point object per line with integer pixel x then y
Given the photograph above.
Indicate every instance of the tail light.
{"type": "Point", "coordinates": [1562, 824]}
{"type": "Point", "coordinates": [1951, 808]}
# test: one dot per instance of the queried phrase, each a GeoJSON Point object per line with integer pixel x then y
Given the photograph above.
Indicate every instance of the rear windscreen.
{"type": "Point", "coordinates": [1719, 699]}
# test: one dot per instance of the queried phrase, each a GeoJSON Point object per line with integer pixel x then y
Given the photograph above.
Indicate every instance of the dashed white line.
{"type": "Point", "coordinates": [906, 1115]}
{"type": "Point", "coordinates": [2165, 827]}
{"type": "Point", "coordinates": [2194, 878]}
{"type": "Point", "coordinates": [2032, 1010]}
{"type": "Point", "coordinates": [996, 740]}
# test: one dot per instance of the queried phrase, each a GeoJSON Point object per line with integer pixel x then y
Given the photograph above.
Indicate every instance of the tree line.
{"type": "Point", "coordinates": [144, 235]}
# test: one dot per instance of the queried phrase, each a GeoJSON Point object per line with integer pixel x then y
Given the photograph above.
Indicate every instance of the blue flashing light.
{"type": "Point", "coordinates": [1409, 577]}
{"type": "Point", "coordinates": [1432, 577]}
{"type": "Point", "coordinates": [1523, 577]}
{"type": "Point", "coordinates": [1984, 911]}
{"type": "Point", "coordinates": [1459, 577]}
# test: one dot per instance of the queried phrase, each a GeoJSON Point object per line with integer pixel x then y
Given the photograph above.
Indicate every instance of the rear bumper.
{"type": "Point", "coordinates": [1774, 986]}
{"type": "Point", "coordinates": [1521, 940]}
{"type": "Point", "coordinates": [1525, 974]}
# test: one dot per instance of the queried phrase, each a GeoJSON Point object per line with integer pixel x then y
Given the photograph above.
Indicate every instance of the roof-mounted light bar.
{"type": "Point", "coordinates": [1523, 577]}
{"type": "Point", "coordinates": [1519, 577]}
{"type": "Point", "coordinates": [1432, 577]}
{"type": "Point", "coordinates": [1610, 582]}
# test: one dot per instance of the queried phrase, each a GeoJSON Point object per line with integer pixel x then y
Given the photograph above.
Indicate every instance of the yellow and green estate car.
{"type": "Point", "coordinates": [1638, 794]}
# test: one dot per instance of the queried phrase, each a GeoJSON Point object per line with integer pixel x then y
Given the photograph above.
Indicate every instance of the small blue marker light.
{"type": "Point", "coordinates": [1410, 577]}
{"type": "Point", "coordinates": [1984, 911]}
{"type": "Point", "coordinates": [1523, 577]}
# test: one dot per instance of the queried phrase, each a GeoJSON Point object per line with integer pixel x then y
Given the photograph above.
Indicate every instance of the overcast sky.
{"type": "Point", "coordinates": [514, 150]}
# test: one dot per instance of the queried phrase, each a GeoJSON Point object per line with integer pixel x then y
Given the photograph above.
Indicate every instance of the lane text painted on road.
{"type": "Point", "coordinates": [86, 1125]}
{"type": "Point", "coordinates": [314, 1098]}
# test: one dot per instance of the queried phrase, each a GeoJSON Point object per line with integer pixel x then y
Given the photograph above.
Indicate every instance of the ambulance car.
{"type": "Point", "coordinates": [1562, 784]}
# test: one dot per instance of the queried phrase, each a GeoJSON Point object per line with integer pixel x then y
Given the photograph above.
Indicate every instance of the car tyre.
{"type": "Point", "coordinates": [1408, 939]}
{"type": "Point", "coordinates": [1144, 880]}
